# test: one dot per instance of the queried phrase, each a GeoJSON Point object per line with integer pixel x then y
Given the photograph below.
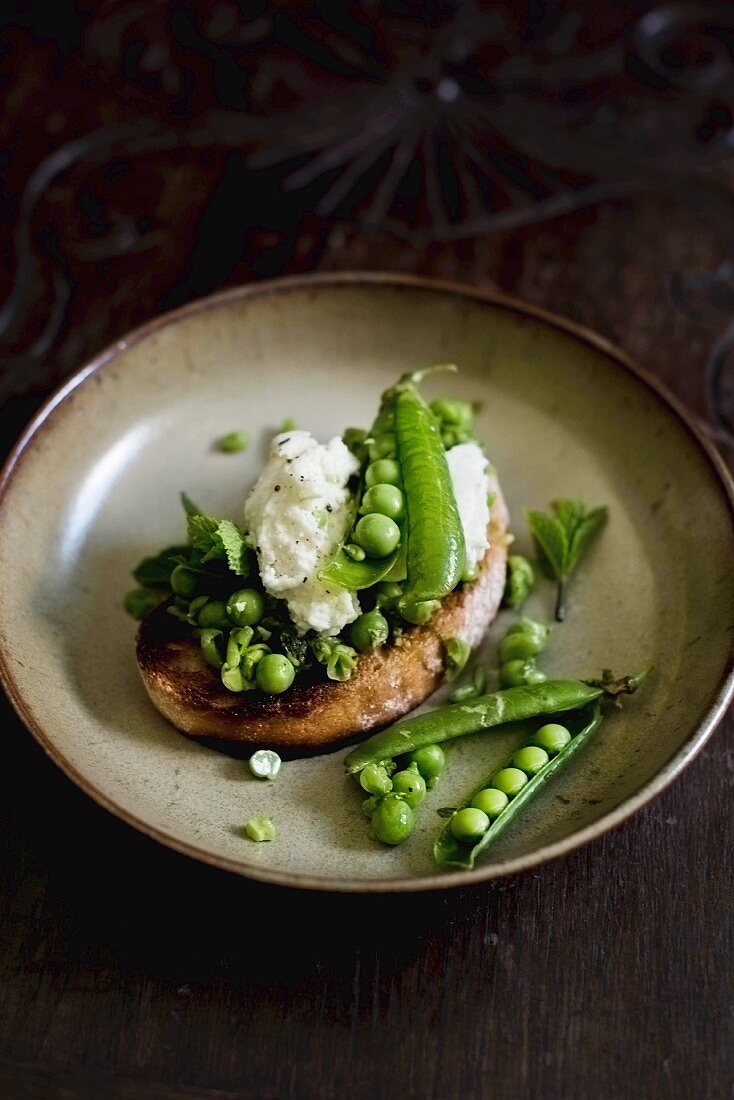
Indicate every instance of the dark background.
{"type": "Point", "coordinates": [575, 157]}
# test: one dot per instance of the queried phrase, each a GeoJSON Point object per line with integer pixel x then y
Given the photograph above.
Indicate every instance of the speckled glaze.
{"type": "Point", "coordinates": [93, 484]}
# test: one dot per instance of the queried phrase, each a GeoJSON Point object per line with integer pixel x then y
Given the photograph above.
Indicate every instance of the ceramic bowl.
{"type": "Point", "coordinates": [93, 485]}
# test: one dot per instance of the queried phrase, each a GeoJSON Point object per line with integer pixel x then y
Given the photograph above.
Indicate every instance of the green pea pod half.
{"type": "Point", "coordinates": [436, 553]}
{"type": "Point", "coordinates": [498, 708]}
{"type": "Point", "coordinates": [345, 571]}
{"type": "Point", "coordinates": [449, 852]}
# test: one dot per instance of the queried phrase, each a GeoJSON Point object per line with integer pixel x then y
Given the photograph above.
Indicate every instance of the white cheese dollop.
{"type": "Point", "coordinates": [469, 469]}
{"type": "Point", "coordinates": [297, 515]}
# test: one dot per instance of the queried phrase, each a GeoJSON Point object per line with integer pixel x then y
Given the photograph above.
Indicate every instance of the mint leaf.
{"type": "Point", "coordinates": [155, 571]}
{"type": "Point", "coordinates": [203, 536]}
{"type": "Point", "coordinates": [584, 535]}
{"type": "Point", "coordinates": [190, 508]}
{"type": "Point", "coordinates": [563, 539]}
{"type": "Point", "coordinates": [551, 542]}
{"type": "Point", "coordinates": [235, 547]}
{"type": "Point", "coordinates": [216, 539]}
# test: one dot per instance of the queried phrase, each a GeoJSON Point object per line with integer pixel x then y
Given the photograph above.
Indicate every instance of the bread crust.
{"type": "Point", "coordinates": [317, 712]}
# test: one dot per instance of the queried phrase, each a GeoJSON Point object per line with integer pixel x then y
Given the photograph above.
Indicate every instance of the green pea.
{"type": "Point", "coordinates": [209, 647]}
{"type": "Point", "coordinates": [393, 820]}
{"type": "Point", "coordinates": [369, 631]}
{"type": "Point", "coordinates": [355, 552]}
{"type": "Point", "coordinates": [521, 645]}
{"type": "Point", "coordinates": [520, 581]}
{"type": "Point", "coordinates": [452, 436]}
{"type": "Point", "coordinates": [377, 535]}
{"type": "Point", "coordinates": [383, 446]}
{"type": "Point", "coordinates": [232, 678]}
{"type": "Point", "coordinates": [375, 780]}
{"type": "Point", "coordinates": [260, 828]}
{"type": "Point", "coordinates": [214, 614]}
{"type": "Point", "coordinates": [237, 644]}
{"type": "Point", "coordinates": [515, 673]}
{"type": "Point", "coordinates": [429, 760]}
{"type": "Point", "coordinates": [536, 676]}
{"type": "Point", "coordinates": [274, 673]}
{"type": "Point", "coordinates": [552, 737]}
{"type": "Point", "coordinates": [385, 471]}
{"type": "Point", "coordinates": [538, 631]}
{"type": "Point", "coordinates": [490, 801]}
{"type": "Point", "coordinates": [183, 582]}
{"type": "Point", "coordinates": [265, 763]}
{"type": "Point", "coordinates": [419, 612]}
{"type": "Point", "coordinates": [388, 500]}
{"type": "Point", "coordinates": [388, 594]}
{"type": "Point", "coordinates": [510, 781]}
{"type": "Point", "coordinates": [234, 441]}
{"type": "Point", "coordinates": [457, 414]}
{"type": "Point", "coordinates": [246, 607]}
{"type": "Point", "coordinates": [469, 825]}
{"type": "Point", "coordinates": [411, 784]}
{"type": "Point", "coordinates": [369, 805]}
{"type": "Point", "coordinates": [531, 759]}
{"type": "Point", "coordinates": [195, 607]}
{"type": "Point", "coordinates": [457, 654]}
{"type": "Point", "coordinates": [288, 425]}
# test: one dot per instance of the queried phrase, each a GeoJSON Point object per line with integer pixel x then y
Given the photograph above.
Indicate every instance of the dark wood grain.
{"type": "Point", "coordinates": [128, 971]}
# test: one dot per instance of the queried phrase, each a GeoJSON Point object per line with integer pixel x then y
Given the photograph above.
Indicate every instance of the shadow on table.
{"type": "Point", "coordinates": [109, 899]}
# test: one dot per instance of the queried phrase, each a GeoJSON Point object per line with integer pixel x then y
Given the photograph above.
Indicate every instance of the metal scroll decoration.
{"type": "Point", "coordinates": [438, 121]}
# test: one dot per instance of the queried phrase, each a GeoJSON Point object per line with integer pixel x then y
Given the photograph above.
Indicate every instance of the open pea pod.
{"type": "Point", "coordinates": [354, 575]}
{"type": "Point", "coordinates": [347, 572]}
{"type": "Point", "coordinates": [449, 852]}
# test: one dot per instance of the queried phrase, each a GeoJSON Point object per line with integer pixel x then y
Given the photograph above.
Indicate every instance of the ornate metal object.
{"type": "Point", "coordinates": [433, 122]}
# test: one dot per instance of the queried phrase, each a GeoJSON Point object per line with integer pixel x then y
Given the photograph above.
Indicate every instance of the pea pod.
{"type": "Point", "coordinates": [436, 553]}
{"type": "Point", "coordinates": [345, 571]}
{"type": "Point", "coordinates": [449, 852]}
{"type": "Point", "coordinates": [498, 708]}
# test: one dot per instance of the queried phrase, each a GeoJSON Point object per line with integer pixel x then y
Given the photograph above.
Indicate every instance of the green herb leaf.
{"type": "Point", "coordinates": [235, 547]}
{"type": "Point", "coordinates": [563, 539]}
{"type": "Point", "coordinates": [585, 533]}
{"type": "Point", "coordinates": [190, 508]}
{"type": "Point", "coordinates": [551, 543]}
{"type": "Point", "coordinates": [155, 572]}
{"type": "Point", "coordinates": [216, 539]}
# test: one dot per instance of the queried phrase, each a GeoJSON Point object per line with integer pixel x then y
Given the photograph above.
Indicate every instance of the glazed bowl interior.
{"type": "Point", "coordinates": [95, 486]}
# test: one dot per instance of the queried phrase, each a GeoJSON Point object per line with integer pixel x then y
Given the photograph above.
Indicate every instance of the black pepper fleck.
{"type": "Point", "coordinates": [329, 508]}
{"type": "Point", "coordinates": [276, 488]}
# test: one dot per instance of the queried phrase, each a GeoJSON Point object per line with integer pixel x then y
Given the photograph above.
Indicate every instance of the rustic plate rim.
{"type": "Point", "coordinates": [350, 884]}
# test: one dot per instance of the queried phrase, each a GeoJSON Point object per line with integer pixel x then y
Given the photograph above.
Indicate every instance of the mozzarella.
{"type": "Point", "coordinates": [469, 469]}
{"type": "Point", "coordinates": [296, 515]}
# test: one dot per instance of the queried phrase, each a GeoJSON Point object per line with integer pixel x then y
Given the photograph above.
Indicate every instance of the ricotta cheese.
{"type": "Point", "coordinates": [469, 469]}
{"type": "Point", "coordinates": [296, 516]}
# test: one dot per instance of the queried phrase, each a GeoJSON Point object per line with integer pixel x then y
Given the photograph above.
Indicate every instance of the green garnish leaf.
{"type": "Point", "coordinates": [190, 508]}
{"type": "Point", "coordinates": [562, 540]}
{"type": "Point", "coordinates": [141, 601]}
{"type": "Point", "coordinates": [216, 539]}
{"type": "Point", "coordinates": [155, 571]}
{"type": "Point", "coordinates": [235, 547]}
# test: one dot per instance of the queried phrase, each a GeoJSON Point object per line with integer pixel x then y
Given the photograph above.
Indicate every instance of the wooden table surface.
{"type": "Point", "coordinates": [127, 970]}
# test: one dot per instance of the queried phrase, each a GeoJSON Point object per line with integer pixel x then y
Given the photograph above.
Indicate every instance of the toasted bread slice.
{"type": "Point", "coordinates": [319, 713]}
